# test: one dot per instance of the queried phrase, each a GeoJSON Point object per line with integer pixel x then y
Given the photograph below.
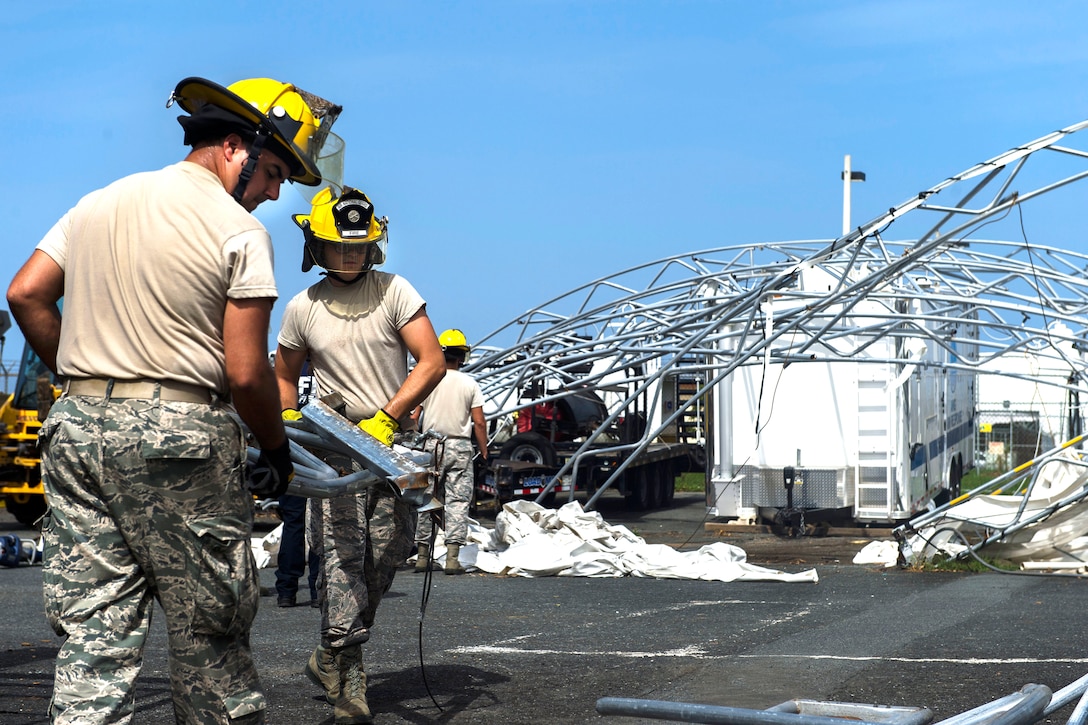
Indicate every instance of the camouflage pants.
{"type": "Point", "coordinates": [147, 502]}
{"type": "Point", "coordinates": [362, 539]}
{"type": "Point", "coordinates": [453, 486]}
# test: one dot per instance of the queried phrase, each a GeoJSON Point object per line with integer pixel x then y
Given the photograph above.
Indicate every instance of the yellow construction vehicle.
{"type": "Point", "coordinates": [20, 418]}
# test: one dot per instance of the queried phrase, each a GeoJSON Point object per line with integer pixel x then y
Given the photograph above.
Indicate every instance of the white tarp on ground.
{"type": "Point", "coordinates": [885, 553]}
{"type": "Point", "coordinates": [532, 541]}
{"type": "Point", "coordinates": [266, 548]}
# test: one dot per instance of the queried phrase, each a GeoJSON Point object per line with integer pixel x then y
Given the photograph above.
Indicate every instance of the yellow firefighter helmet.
{"type": "Point", "coordinates": [295, 124]}
{"type": "Point", "coordinates": [342, 225]}
{"type": "Point", "coordinates": [454, 340]}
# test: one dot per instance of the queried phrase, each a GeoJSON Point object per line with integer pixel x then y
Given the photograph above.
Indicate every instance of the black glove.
{"type": "Point", "coordinates": [269, 476]}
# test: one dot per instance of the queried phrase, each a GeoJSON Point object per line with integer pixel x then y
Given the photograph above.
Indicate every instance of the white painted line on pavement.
{"type": "Point", "coordinates": [695, 652]}
{"type": "Point", "coordinates": [692, 651]}
{"type": "Point", "coordinates": [946, 660]}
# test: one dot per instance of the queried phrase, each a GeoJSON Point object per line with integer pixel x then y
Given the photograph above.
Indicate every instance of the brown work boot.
{"type": "Point", "coordinates": [321, 669]}
{"type": "Point", "coordinates": [423, 557]}
{"type": "Point", "coordinates": [453, 566]}
{"type": "Point", "coordinates": [350, 707]}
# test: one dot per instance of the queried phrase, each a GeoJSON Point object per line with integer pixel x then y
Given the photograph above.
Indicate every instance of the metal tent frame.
{"type": "Point", "coordinates": [705, 313]}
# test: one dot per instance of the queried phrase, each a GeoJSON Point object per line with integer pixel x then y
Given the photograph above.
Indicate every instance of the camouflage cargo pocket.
{"type": "Point", "coordinates": [54, 584]}
{"type": "Point", "coordinates": [222, 578]}
{"type": "Point", "coordinates": [175, 444]}
{"type": "Point", "coordinates": [45, 432]}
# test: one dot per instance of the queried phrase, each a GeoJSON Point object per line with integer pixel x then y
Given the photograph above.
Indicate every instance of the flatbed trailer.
{"type": "Point", "coordinates": [648, 480]}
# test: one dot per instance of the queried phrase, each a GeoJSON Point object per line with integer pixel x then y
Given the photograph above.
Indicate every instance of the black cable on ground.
{"type": "Point", "coordinates": [423, 607]}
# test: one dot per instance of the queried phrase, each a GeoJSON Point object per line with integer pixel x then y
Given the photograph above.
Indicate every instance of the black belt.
{"type": "Point", "coordinates": [168, 390]}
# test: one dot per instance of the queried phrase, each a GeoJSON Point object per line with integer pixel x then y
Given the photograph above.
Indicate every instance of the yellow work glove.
{"type": "Point", "coordinates": [291, 415]}
{"type": "Point", "coordinates": [382, 426]}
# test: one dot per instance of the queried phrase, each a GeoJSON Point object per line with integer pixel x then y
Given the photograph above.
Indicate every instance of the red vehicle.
{"type": "Point", "coordinates": [548, 435]}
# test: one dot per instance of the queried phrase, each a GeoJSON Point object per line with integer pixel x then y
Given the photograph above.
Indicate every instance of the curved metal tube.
{"type": "Point", "coordinates": [321, 428]}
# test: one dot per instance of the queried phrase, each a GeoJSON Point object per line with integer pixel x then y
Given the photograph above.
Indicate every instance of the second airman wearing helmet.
{"type": "Point", "coordinates": [454, 409]}
{"type": "Point", "coordinates": [357, 327]}
{"type": "Point", "coordinates": [454, 344]}
{"type": "Point", "coordinates": [343, 235]}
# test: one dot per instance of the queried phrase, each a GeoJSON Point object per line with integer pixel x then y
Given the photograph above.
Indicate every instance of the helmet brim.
{"type": "Point", "coordinates": [193, 92]}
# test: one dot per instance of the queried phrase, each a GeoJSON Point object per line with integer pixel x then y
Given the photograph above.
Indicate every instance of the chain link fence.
{"type": "Point", "coordinates": [9, 370]}
{"type": "Point", "coordinates": [1008, 437]}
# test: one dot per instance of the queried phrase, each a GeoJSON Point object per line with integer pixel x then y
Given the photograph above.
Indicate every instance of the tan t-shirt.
{"type": "Point", "coordinates": [448, 409]}
{"type": "Point", "coordinates": [353, 337]}
{"type": "Point", "coordinates": [149, 263]}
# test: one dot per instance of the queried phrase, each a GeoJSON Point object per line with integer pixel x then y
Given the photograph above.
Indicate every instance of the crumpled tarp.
{"type": "Point", "coordinates": [885, 553]}
{"type": "Point", "coordinates": [266, 548]}
{"type": "Point", "coordinates": [530, 540]}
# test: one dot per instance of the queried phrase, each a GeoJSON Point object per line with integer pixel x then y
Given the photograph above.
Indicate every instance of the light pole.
{"type": "Point", "coordinates": [847, 177]}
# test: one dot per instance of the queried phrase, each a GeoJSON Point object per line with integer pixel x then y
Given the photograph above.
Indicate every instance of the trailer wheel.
{"type": "Point", "coordinates": [668, 486]}
{"type": "Point", "coordinates": [655, 481]}
{"type": "Point", "coordinates": [529, 447]}
{"type": "Point", "coordinates": [28, 511]}
{"type": "Point", "coordinates": [638, 490]}
{"type": "Point", "coordinates": [952, 489]}
{"type": "Point", "coordinates": [697, 460]}
{"type": "Point", "coordinates": [955, 476]}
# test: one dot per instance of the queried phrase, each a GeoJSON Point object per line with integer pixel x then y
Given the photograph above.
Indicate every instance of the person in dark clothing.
{"type": "Point", "coordinates": [293, 558]}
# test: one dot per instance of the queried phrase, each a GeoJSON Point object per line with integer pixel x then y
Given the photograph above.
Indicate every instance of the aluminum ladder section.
{"type": "Point", "coordinates": [874, 474]}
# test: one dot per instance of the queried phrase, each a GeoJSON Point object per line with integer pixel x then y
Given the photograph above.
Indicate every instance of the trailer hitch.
{"type": "Point", "coordinates": [790, 521]}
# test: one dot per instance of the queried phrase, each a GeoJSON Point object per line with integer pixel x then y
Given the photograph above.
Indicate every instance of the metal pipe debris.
{"type": "Point", "coordinates": [323, 429]}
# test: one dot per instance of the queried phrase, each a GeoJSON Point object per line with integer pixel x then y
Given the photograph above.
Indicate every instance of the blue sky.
{"type": "Point", "coordinates": [522, 148]}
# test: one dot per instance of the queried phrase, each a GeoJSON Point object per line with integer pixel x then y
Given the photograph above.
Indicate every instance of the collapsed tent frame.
{"type": "Point", "coordinates": [701, 314]}
{"type": "Point", "coordinates": [969, 532]}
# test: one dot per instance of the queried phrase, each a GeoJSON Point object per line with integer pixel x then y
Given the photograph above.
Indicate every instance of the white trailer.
{"type": "Point", "coordinates": [856, 428]}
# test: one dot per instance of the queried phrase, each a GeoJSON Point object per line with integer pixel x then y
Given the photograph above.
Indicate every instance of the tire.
{"type": "Point", "coordinates": [529, 447]}
{"type": "Point", "coordinates": [655, 485]}
{"type": "Point", "coordinates": [668, 486]}
{"type": "Point", "coordinates": [636, 498]}
{"type": "Point", "coordinates": [633, 428]}
{"type": "Point", "coordinates": [952, 490]}
{"type": "Point", "coordinates": [955, 477]}
{"type": "Point", "coordinates": [696, 460]}
{"type": "Point", "coordinates": [638, 494]}
{"type": "Point", "coordinates": [29, 512]}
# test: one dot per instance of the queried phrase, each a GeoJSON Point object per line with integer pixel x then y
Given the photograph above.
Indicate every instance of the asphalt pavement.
{"type": "Point", "coordinates": [516, 650]}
